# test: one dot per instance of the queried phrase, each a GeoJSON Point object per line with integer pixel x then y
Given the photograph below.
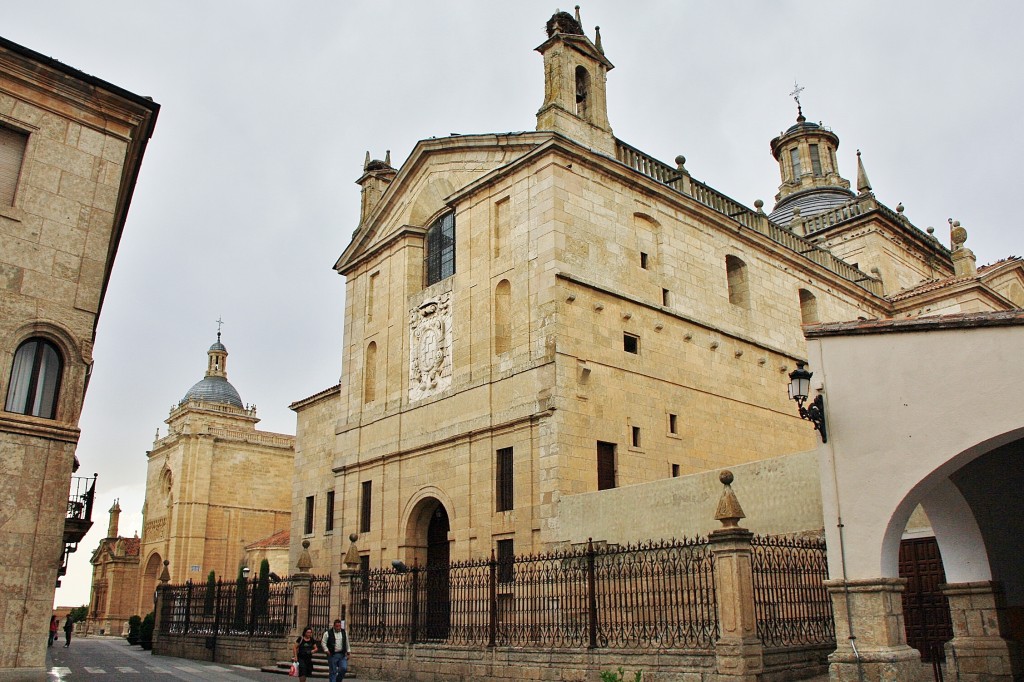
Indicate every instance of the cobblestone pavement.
{"type": "Point", "coordinates": [105, 658]}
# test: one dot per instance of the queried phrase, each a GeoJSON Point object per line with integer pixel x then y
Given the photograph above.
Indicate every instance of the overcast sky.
{"type": "Point", "coordinates": [247, 193]}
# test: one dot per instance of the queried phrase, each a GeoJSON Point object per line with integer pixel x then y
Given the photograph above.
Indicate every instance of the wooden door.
{"type": "Point", "coordinates": [925, 608]}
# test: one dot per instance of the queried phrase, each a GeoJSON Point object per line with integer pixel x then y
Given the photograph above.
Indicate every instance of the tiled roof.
{"type": "Point", "coordinates": [132, 546]}
{"type": "Point", "coordinates": [281, 538]}
{"type": "Point", "coordinates": [998, 264]}
{"type": "Point", "coordinates": [929, 286]}
{"type": "Point", "coordinates": [999, 318]}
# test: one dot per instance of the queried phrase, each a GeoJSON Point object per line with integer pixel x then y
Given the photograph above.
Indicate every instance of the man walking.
{"type": "Point", "coordinates": [335, 642]}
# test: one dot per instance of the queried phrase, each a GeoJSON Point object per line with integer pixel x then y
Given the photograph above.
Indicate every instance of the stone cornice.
{"type": "Point", "coordinates": [316, 397]}
{"type": "Point", "coordinates": [37, 427]}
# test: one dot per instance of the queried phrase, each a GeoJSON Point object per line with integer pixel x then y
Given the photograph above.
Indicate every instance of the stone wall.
{"type": "Point", "coordinates": [780, 496]}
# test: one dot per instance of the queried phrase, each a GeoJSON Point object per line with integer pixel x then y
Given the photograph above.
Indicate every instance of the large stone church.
{"type": "Point", "coordinates": [213, 485]}
{"type": "Point", "coordinates": [532, 317]}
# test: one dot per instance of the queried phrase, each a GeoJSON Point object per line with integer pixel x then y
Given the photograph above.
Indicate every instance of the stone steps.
{"type": "Point", "coordinates": [320, 668]}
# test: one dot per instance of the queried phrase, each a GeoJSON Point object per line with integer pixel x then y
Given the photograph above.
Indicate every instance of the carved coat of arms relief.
{"type": "Point", "coordinates": [430, 347]}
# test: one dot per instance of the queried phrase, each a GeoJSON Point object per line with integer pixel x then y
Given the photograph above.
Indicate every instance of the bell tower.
{"type": "Point", "coordinates": [575, 76]}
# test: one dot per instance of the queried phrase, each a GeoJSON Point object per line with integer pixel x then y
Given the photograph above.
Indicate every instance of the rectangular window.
{"type": "Point", "coordinates": [643, 260]}
{"type": "Point", "coordinates": [365, 505]}
{"type": "Point", "coordinates": [307, 527]}
{"type": "Point", "coordinates": [371, 293]}
{"type": "Point", "coordinates": [675, 471]}
{"type": "Point", "coordinates": [12, 154]}
{"type": "Point", "coordinates": [630, 343]}
{"type": "Point", "coordinates": [794, 160]}
{"type": "Point", "coordinates": [666, 298]}
{"type": "Point", "coordinates": [635, 436]}
{"type": "Point", "coordinates": [364, 570]}
{"type": "Point", "coordinates": [815, 161]}
{"type": "Point", "coordinates": [504, 500]}
{"type": "Point", "coordinates": [605, 465]}
{"type": "Point", "coordinates": [673, 423]}
{"type": "Point", "coordinates": [506, 554]}
{"type": "Point", "coordinates": [329, 513]}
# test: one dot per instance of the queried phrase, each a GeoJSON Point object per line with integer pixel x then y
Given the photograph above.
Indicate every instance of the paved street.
{"type": "Point", "coordinates": [113, 658]}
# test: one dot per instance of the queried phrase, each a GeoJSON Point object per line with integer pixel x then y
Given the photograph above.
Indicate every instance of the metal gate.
{"type": "Point", "coordinates": [925, 608]}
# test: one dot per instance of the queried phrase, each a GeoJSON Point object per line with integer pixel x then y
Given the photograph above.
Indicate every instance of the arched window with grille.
{"type": "Point", "coordinates": [439, 260]}
{"type": "Point", "coordinates": [35, 379]}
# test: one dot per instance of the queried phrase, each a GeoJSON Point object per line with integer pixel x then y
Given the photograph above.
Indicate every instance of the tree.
{"type": "Point", "coordinates": [262, 595]}
{"type": "Point", "coordinates": [241, 592]}
{"type": "Point", "coordinates": [211, 594]}
{"type": "Point", "coordinates": [79, 613]}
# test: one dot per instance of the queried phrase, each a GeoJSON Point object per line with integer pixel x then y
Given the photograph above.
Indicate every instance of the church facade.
{"type": "Point", "coordinates": [71, 149]}
{"type": "Point", "coordinates": [532, 316]}
{"type": "Point", "coordinates": [115, 579]}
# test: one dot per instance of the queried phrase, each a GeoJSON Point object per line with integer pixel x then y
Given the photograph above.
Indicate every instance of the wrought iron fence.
{"type": "Point", "coordinates": [655, 595]}
{"type": "Point", "coordinates": [793, 606]}
{"type": "Point", "coordinates": [258, 608]}
{"type": "Point", "coordinates": [319, 615]}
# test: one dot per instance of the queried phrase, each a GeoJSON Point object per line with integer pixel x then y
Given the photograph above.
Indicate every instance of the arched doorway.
{"type": "Point", "coordinates": [437, 605]}
{"type": "Point", "coordinates": [150, 576]}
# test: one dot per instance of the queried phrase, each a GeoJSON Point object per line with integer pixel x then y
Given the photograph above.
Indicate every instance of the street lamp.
{"type": "Point", "coordinates": [799, 388]}
{"type": "Point", "coordinates": [245, 572]}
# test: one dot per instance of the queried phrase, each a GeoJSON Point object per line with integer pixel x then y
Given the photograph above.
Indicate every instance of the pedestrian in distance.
{"type": "Point", "coordinates": [303, 653]}
{"type": "Point", "coordinates": [335, 643]}
{"type": "Point", "coordinates": [54, 627]}
{"type": "Point", "coordinates": [69, 625]}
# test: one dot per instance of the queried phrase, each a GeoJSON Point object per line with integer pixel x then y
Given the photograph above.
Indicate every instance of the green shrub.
{"type": "Point", "coordinates": [620, 676]}
{"type": "Point", "coordinates": [134, 628]}
{"type": "Point", "coordinates": [146, 631]}
{"type": "Point", "coordinates": [211, 594]}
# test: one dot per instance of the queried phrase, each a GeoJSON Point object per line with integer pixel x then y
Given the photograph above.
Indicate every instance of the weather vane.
{"type": "Point", "coordinates": [797, 89]}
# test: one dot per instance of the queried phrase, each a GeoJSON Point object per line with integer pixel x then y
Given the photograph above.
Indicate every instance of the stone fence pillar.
{"type": "Point", "coordinates": [978, 651]}
{"type": "Point", "coordinates": [349, 571]}
{"type": "Point", "coordinates": [739, 655]}
{"type": "Point", "coordinates": [300, 592]}
{"type": "Point", "coordinates": [158, 600]}
{"type": "Point", "coordinates": [877, 651]}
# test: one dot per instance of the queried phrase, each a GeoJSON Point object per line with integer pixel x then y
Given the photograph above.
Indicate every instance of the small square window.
{"type": "Point", "coordinates": [635, 436]}
{"type": "Point", "coordinates": [630, 343]}
{"type": "Point", "coordinates": [673, 423]}
{"type": "Point", "coordinates": [643, 260]}
{"type": "Point", "coordinates": [675, 471]}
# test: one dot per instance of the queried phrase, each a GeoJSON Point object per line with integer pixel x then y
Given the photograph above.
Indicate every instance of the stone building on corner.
{"type": "Point", "coordinates": [71, 147]}
{"type": "Point", "coordinates": [536, 316]}
{"type": "Point", "coordinates": [213, 485]}
{"type": "Point", "coordinates": [115, 579]}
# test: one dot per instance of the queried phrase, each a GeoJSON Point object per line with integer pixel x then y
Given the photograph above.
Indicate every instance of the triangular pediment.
{"type": "Point", "coordinates": [436, 170]}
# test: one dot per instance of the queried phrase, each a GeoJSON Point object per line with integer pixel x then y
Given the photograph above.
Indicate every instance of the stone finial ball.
{"type": "Point", "coordinates": [758, 203]}
{"type": "Point", "coordinates": [352, 537]}
{"type": "Point", "coordinates": [305, 544]}
{"type": "Point", "coordinates": [726, 477]}
{"type": "Point", "coordinates": [167, 562]}
{"type": "Point", "coordinates": [681, 160]}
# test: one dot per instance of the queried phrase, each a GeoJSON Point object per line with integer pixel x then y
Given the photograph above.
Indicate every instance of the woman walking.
{"type": "Point", "coordinates": [303, 653]}
{"type": "Point", "coordinates": [54, 626]}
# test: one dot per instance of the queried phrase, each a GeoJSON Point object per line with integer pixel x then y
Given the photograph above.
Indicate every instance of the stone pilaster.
{"type": "Point", "coordinates": [978, 651]}
{"type": "Point", "coordinates": [877, 651]}
{"type": "Point", "coordinates": [739, 655]}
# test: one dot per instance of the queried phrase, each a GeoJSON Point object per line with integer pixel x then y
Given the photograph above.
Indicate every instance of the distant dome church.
{"type": "Point", "coordinates": [213, 485]}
